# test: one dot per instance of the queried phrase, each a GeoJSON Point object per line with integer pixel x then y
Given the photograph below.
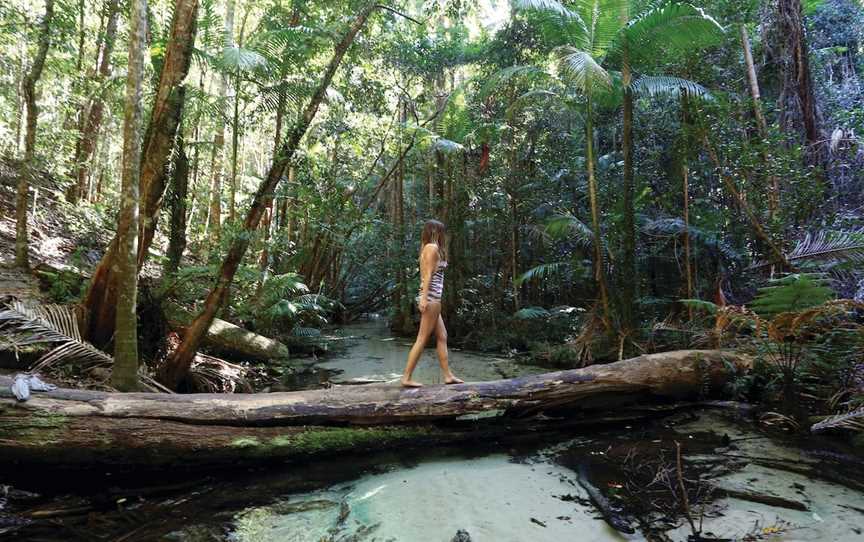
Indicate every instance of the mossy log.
{"type": "Point", "coordinates": [77, 427]}
{"type": "Point", "coordinates": [226, 339]}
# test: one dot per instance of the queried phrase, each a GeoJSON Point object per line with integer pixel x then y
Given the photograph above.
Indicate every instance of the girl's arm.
{"type": "Point", "coordinates": [428, 264]}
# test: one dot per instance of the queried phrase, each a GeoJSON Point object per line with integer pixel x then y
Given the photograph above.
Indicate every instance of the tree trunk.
{"type": "Point", "coordinates": [101, 299]}
{"type": "Point", "coordinates": [599, 265]}
{"type": "Point", "coordinates": [177, 206]}
{"type": "Point", "coordinates": [22, 257]}
{"type": "Point", "coordinates": [178, 365]}
{"type": "Point", "coordinates": [799, 113]}
{"type": "Point", "coordinates": [761, 124]}
{"type": "Point", "coordinates": [79, 426]}
{"type": "Point", "coordinates": [92, 111]}
{"type": "Point", "coordinates": [124, 375]}
{"type": "Point", "coordinates": [216, 165]}
{"type": "Point", "coordinates": [629, 275]}
{"type": "Point", "coordinates": [165, 118]}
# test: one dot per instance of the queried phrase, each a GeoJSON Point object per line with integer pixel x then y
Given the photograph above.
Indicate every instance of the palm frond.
{"type": "Point", "coordinates": [583, 70]}
{"type": "Point", "coordinates": [827, 247]}
{"type": "Point", "coordinates": [848, 420]}
{"type": "Point", "coordinates": [546, 5]}
{"type": "Point", "coordinates": [670, 86]}
{"type": "Point", "coordinates": [670, 27]}
{"type": "Point", "coordinates": [700, 304]}
{"type": "Point", "coordinates": [240, 59]}
{"type": "Point", "coordinates": [567, 225]}
{"type": "Point", "coordinates": [674, 227]}
{"type": "Point", "coordinates": [27, 324]}
{"type": "Point", "coordinates": [531, 313]}
{"type": "Point", "coordinates": [541, 271]}
{"type": "Point", "coordinates": [505, 75]}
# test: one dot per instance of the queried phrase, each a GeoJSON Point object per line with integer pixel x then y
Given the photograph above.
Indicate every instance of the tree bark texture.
{"type": "Point", "coordinates": [124, 375]}
{"type": "Point", "coordinates": [22, 258]}
{"type": "Point", "coordinates": [100, 301]}
{"type": "Point", "coordinates": [177, 206]}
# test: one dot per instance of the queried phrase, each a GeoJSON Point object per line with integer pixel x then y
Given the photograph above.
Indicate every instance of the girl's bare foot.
{"type": "Point", "coordinates": [408, 383]}
{"type": "Point", "coordinates": [453, 380]}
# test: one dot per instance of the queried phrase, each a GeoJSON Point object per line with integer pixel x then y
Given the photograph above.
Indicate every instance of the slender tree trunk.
{"type": "Point", "coordinates": [599, 265]}
{"type": "Point", "coordinates": [22, 257]}
{"type": "Point", "coordinates": [629, 276]}
{"type": "Point", "coordinates": [219, 141]}
{"type": "Point", "coordinates": [124, 376]}
{"type": "Point", "coordinates": [235, 131]}
{"type": "Point", "coordinates": [761, 124]}
{"type": "Point", "coordinates": [177, 206]}
{"type": "Point", "coordinates": [101, 300]}
{"type": "Point", "coordinates": [178, 366]}
{"type": "Point", "coordinates": [688, 271]}
{"type": "Point", "coordinates": [92, 111]}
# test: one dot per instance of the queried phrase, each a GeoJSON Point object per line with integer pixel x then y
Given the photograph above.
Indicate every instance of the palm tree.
{"type": "Point", "coordinates": [603, 32]}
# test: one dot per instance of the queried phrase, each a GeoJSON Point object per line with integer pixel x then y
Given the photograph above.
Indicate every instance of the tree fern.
{"type": "Point", "coordinates": [792, 293]}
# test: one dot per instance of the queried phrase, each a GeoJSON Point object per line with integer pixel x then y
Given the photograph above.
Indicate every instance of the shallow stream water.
{"type": "Point", "coordinates": [501, 491]}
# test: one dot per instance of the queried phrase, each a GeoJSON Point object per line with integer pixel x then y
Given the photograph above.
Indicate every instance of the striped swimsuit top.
{"type": "Point", "coordinates": [436, 283]}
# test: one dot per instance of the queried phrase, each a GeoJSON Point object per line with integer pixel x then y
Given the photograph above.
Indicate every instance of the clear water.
{"type": "Point", "coordinates": [521, 491]}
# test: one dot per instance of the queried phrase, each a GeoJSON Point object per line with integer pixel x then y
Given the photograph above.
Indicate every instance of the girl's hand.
{"type": "Point", "coordinates": [422, 304]}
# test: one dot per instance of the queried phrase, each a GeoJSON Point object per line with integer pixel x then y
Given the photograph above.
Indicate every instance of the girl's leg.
{"type": "Point", "coordinates": [443, 354]}
{"type": "Point", "coordinates": [428, 320]}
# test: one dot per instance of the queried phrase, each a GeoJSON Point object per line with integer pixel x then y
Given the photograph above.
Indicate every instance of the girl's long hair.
{"type": "Point", "coordinates": [435, 232]}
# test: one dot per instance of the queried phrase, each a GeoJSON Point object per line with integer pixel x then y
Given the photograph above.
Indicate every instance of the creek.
{"type": "Point", "coordinates": [539, 488]}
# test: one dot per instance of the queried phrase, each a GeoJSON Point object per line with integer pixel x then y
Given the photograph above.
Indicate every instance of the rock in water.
{"type": "Point", "coordinates": [461, 536]}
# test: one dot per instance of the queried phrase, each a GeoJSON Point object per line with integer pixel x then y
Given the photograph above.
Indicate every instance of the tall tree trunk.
{"type": "Point", "coordinates": [178, 366]}
{"type": "Point", "coordinates": [92, 111]}
{"type": "Point", "coordinates": [165, 118]}
{"type": "Point", "coordinates": [235, 131]}
{"type": "Point", "coordinates": [799, 113]}
{"type": "Point", "coordinates": [761, 124]}
{"type": "Point", "coordinates": [22, 257]}
{"type": "Point", "coordinates": [629, 276]}
{"type": "Point", "coordinates": [177, 206]}
{"type": "Point", "coordinates": [124, 375]}
{"type": "Point", "coordinates": [599, 265]}
{"type": "Point", "coordinates": [216, 165]}
{"type": "Point", "coordinates": [100, 302]}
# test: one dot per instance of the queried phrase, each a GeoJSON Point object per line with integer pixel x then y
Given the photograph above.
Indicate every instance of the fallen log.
{"type": "Point", "coordinates": [226, 339]}
{"type": "Point", "coordinates": [77, 426]}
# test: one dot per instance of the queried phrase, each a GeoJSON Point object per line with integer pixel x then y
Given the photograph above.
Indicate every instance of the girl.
{"type": "Point", "coordinates": [433, 260]}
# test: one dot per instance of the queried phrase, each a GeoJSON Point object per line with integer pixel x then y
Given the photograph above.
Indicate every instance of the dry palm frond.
{"type": "Point", "coordinates": [848, 420]}
{"type": "Point", "coordinates": [29, 324]}
{"type": "Point", "coordinates": [780, 420]}
{"type": "Point", "coordinates": [214, 375]}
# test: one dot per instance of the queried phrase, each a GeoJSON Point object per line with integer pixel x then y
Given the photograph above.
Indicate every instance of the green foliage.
{"type": "Point", "coordinates": [792, 293]}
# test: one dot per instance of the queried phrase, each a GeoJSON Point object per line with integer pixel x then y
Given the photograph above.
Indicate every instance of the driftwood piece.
{"type": "Point", "coordinates": [76, 426]}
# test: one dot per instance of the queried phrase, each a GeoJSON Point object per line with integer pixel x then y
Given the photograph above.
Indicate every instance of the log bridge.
{"type": "Point", "coordinates": [79, 427]}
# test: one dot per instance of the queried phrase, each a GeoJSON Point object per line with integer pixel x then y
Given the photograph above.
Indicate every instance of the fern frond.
{"type": "Point", "coordinates": [673, 227]}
